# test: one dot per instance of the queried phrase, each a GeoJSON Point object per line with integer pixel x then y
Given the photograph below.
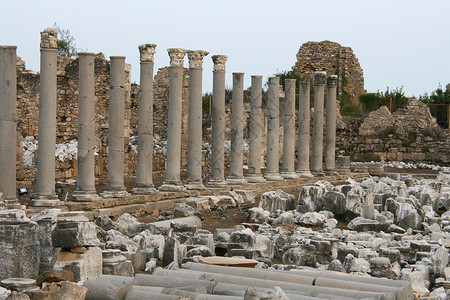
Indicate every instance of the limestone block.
{"type": "Point", "coordinates": [258, 215]}
{"type": "Point", "coordinates": [246, 238]}
{"type": "Point", "coordinates": [311, 219]}
{"type": "Point", "coordinates": [73, 229]}
{"type": "Point", "coordinates": [264, 245]}
{"type": "Point", "coordinates": [417, 278]}
{"type": "Point", "coordinates": [303, 255]}
{"type": "Point", "coordinates": [200, 251]}
{"type": "Point", "coordinates": [67, 290]}
{"type": "Point", "coordinates": [182, 210]}
{"type": "Point", "coordinates": [380, 267]}
{"type": "Point", "coordinates": [83, 266]}
{"type": "Point", "coordinates": [201, 203]}
{"type": "Point", "coordinates": [359, 265]}
{"type": "Point", "coordinates": [240, 196]}
{"type": "Point", "coordinates": [408, 217]}
{"type": "Point", "coordinates": [114, 263]}
{"type": "Point", "coordinates": [202, 238]}
{"type": "Point", "coordinates": [154, 245]}
{"type": "Point", "coordinates": [277, 200]}
{"type": "Point", "coordinates": [46, 221]}
{"type": "Point", "coordinates": [123, 222]}
{"type": "Point", "coordinates": [173, 251]}
{"type": "Point", "coordinates": [324, 253]}
{"type": "Point", "coordinates": [19, 245]}
{"type": "Point", "coordinates": [104, 222]}
{"type": "Point", "coordinates": [310, 198]}
{"type": "Point", "coordinates": [335, 202]}
{"type": "Point", "coordinates": [54, 276]}
{"type": "Point", "coordinates": [216, 201]}
{"type": "Point", "coordinates": [336, 265]}
{"type": "Point", "coordinates": [361, 224]}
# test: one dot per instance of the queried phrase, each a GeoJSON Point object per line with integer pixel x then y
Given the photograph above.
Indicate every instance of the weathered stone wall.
{"type": "Point", "coordinates": [334, 59]}
{"type": "Point", "coordinates": [410, 134]}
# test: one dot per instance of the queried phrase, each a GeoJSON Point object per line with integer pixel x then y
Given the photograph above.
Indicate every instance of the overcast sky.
{"type": "Point", "coordinates": [398, 42]}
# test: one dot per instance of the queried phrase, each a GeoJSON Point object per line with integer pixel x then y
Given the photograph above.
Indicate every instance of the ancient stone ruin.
{"type": "Point", "coordinates": [347, 235]}
{"type": "Point", "coordinates": [334, 59]}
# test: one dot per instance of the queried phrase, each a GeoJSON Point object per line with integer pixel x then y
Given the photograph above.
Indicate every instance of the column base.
{"type": "Point", "coordinates": [114, 193]}
{"type": "Point", "coordinates": [318, 173]}
{"type": "Point", "coordinates": [216, 183]}
{"type": "Point", "coordinates": [142, 190]}
{"type": "Point", "coordinates": [288, 175]}
{"type": "Point", "coordinates": [236, 180]}
{"type": "Point", "coordinates": [254, 178]}
{"type": "Point", "coordinates": [194, 185]}
{"type": "Point", "coordinates": [85, 196]}
{"type": "Point", "coordinates": [172, 187]}
{"type": "Point", "coordinates": [13, 204]}
{"type": "Point", "coordinates": [343, 171]}
{"type": "Point", "coordinates": [46, 201]}
{"type": "Point", "coordinates": [273, 177]}
{"type": "Point", "coordinates": [304, 174]}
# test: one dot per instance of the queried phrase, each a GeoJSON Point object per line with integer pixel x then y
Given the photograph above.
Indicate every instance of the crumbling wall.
{"type": "Point", "coordinates": [410, 134]}
{"type": "Point", "coordinates": [334, 59]}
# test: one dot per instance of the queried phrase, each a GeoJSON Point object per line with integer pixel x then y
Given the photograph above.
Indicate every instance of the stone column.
{"type": "Point", "coordinates": [45, 191]}
{"type": "Point", "coordinates": [273, 130]}
{"type": "Point", "coordinates": [288, 170]}
{"type": "Point", "coordinates": [144, 170]}
{"type": "Point", "coordinates": [330, 141]}
{"type": "Point", "coordinates": [172, 181]}
{"type": "Point", "coordinates": [8, 126]}
{"type": "Point", "coordinates": [85, 190]}
{"type": "Point", "coordinates": [195, 142]}
{"type": "Point", "coordinates": [254, 152]}
{"type": "Point", "coordinates": [115, 185]}
{"type": "Point", "coordinates": [236, 175]}
{"type": "Point", "coordinates": [218, 122]}
{"type": "Point", "coordinates": [304, 120]}
{"type": "Point", "coordinates": [317, 144]}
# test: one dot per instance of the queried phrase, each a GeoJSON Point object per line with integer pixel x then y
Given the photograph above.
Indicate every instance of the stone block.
{"type": "Point", "coordinates": [303, 255]}
{"type": "Point", "coordinates": [114, 263]}
{"type": "Point", "coordinates": [277, 200]}
{"type": "Point", "coordinates": [310, 198]}
{"type": "Point", "coordinates": [19, 245]}
{"type": "Point", "coordinates": [55, 276]}
{"type": "Point", "coordinates": [73, 229]}
{"type": "Point", "coordinates": [83, 266]}
{"type": "Point", "coordinates": [67, 290]}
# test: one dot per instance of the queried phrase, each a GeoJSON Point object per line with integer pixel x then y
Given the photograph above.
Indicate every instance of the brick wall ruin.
{"type": "Point", "coordinates": [334, 59]}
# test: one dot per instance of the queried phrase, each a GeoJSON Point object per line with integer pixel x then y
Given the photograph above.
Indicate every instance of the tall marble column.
{"type": "Point", "coordinates": [144, 170]}
{"type": "Point", "coordinates": [256, 126]}
{"type": "Point", "coordinates": [330, 127]}
{"type": "Point", "coordinates": [115, 184]}
{"type": "Point", "coordinates": [8, 126]}
{"type": "Point", "coordinates": [273, 130]}
{"type": "Point", "coordinates": [85, 190]}
{"type": "Point", "coordinates": [288, 169]}
{"type": "Point", "coordinates": [317, 143]}
{"type": "Point", "coordinates": [172, 181]}
{"type": "Point", "coordinates": [45, 190]}
{"type": "Point", "coordinates": [303, 131]}
{"type": "Point", "coordinates": [236, 175]}
{"type": "Point", "coordinates": [195, 141]}
{"type": "Point", "coordinates": [218, 122]}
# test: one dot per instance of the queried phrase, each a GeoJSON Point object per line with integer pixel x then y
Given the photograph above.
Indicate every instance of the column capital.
{"type": "Point", "coordinates": [332, 80]}
{"type": "Point", "coordinates": [176, 56]}
{"type": "Point", "coordinates": [219, 62]}
{"type": "Point", "coordinates": [196, 58]}
{"type": "Point", "coordinates": [147, 51]}
{"type": "Point", "coordinates": [49, 38]}
{"type": "Point", "coordinates": [320, 77]}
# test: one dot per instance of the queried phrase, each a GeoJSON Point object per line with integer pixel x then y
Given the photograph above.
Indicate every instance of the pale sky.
{"type": "Point", "coordinates": [398, 42]}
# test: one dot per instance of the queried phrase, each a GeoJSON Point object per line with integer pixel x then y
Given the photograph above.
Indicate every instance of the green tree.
{"type": "Point", "coordinates": [66, 42]}
{"type": "Point", "coordinates": [439, 103]}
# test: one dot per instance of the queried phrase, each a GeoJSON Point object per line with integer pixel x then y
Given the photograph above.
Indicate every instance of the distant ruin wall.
{"type": "Point", "coordinates": [335, 60]}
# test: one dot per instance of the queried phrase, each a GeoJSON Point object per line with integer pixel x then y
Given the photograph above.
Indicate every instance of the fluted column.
{"type": "Point", "coordinates": [317, 144]}
{"type": "Point", "coordinates": [115, 185]}
{"type": "Point", "coordinates": [330, 138]}
{"type": "Point", "coordinates": [85, 190]}
{"type": "Point", "coordinates": [144, 171]}
{"type": "Point", "coordinates": [195, 142]}
{"type": "Point", "coordinates": [256, 125]}
{"type": "Point", "coordinates": [8, 127]}
{"type": "Point", "coordinates": [303, 131]}
{"type": "Point", "coordinates": [45, 190]}
{"type": "Point", "coordinates": [218, 122]}
{"type": "Point", "coordinates": [273, 130]}
{"type": "Point", "coordinates": [236, 175]}
{"type": "Point", "coordinates": [288, 170]}
{"type": "Point", "coordinates": [172, 181]}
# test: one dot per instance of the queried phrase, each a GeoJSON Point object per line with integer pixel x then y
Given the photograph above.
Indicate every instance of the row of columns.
{"type": "Point", "coordinates": [85, 191]}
